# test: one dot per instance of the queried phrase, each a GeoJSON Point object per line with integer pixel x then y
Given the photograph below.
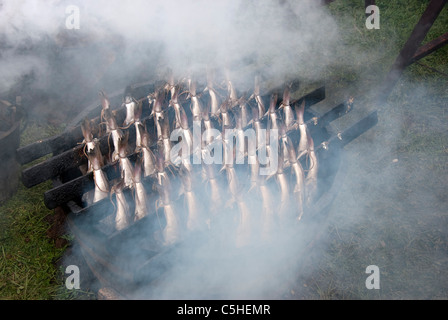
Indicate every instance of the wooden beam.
{"type": "Point", "coordinates": [429, 48]}
{"type": "Point", "coordinates": [412, 45]}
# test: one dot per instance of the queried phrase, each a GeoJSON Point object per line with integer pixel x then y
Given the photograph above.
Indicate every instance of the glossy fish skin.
{"type": "Point", "coordinates": [225, 116]}
{"type": "Point", "coordinates": [158, 113]}
{"type": "Point", "coordinates": [303, 146]}
{"type": "Point", "coordinates": [295, 193]}
{"type": "Point", "coordinates": [285, 144]}
{"type": "Point", "coordinates": [138, 126]}
{"type": "Point", "coordinates": [245, 114]}
{"type": "Point", "coordinates": [114, 131]}
{"type": "Point", "coordinates": [299, 176]}
{"type": "Point", "coordinates": [191, 201]}
{"type": "Point", "coordinates": [99, 177]}
{"type": "Point", "coordinates": [196, 105]}
{"type": "Point", "coordinates": [287, 109]}
{"type": "Point", "coordinates": [141, 209]}
{"type": "Point", "coordinates": [165, 143]}
{"type": "Point", "coordinates": [105, 105]}
{"type": "Point", "coordinates": [122, 214]}
{"type": "Point", "coordinates": [87, 132]}
{"type": "Point", "coordinates": [171, 232]}
{"type": "Point", "coordinates": [257, 96]}
{"type": "Point", "coordinates": [170, 84]}
{"type": "Point", "coordinates": [186, 133]}
{"type": "Point", "coordinates": [208, 136]}
{"type": "Point", "coordinates": [272, 112]}
{"type": "Point", "coordinates": [311, 177]}
{"type": "Point", "coordinates": [148, 159]}
{"type": "Point", "coordinates": [283, 183]}
{"type": "Point", "coordinates": [131, 105]}
{"type": "Point", "coordinates": [214, 99]}
{"type": "Point", "coordinates": [231, 91]}
{"type": "Point", "coordinates": [174, 102]}
{"type": "Point", "coordinates": [227, 147]}
{"type": "Point", "coordinates": [241, 150]}
{"type": "Point", "coordinates": [89, 141]}
{"type": "Point", "coordinates": [127, 171]}
{"type": "Point", "coordinates": [258, 127]}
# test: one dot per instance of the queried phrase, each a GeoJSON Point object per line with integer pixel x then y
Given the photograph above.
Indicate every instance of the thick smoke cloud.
{"type": "Point", "coordinates": [143, 37]}
{"type": "Point", "coordinates": [120, 42]}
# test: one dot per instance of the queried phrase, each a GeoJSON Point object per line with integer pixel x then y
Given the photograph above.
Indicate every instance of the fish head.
{"type": "Point", "coordinates": [138, 109]}
{"type": "Point", "coordinates": [86, 128]}
{"type": "Point", "coordinates": [96, 158]}
{"type": "Point", "coordinates": [110, 119]}
{"type": "Point", "coordinates": [123, 145]}
{"type": "Point", "coordinates": [300, 111]}
{"type": "Point", "coordinates": [159, 99]}
{"type": "Point", "coordinates": [105, 103]}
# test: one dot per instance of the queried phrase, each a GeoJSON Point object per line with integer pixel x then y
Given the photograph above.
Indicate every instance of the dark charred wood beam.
{"type": "Point", "coordinates": [59, 164]}
{"type": "Point", "coordinates": [311, 99]}
{"type": "Point", "coordinates": [75, 157]}
{"type": "Point", "coordinates": [429, 48]}
{"type": "Point", "coordinates": [343, 138]}
{"type": "Point", "coordinates": [412, 45]}
{"type": "Point", "coordinates": [333, 114]}
{"type": "Point", "coordinates": [101, 209]}
{"type": "Point", "coordinates": [58, 144]}
{"type": "Point", "coordinates": [75, 188]}
{"type": "Point", "coordinates": [72, 136]}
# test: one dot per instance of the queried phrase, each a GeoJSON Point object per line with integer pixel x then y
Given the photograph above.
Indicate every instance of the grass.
{"type": "Point", "coordinates": [391, 214]}
{"type": "Point", "coordinates": [27, 269]}
{"type": "Point", "coordinates": [28, 258]}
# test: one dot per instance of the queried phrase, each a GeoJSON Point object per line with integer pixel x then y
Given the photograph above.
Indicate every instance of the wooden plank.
{"type": "Point", "coordinates": [72, 136]}
{"type": "Point", "coordinates": [76, 187]}
{"type": "Point", "coordinates": [59, 164]}
{"type": "Point", "coordinates": [429, 48]}
{"type": "Point", "coordinates": [349, 134]}
{"type": "Point", "coordinates": [57, 144]}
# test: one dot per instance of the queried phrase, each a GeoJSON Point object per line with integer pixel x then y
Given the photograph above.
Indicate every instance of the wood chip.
{"type": "Point", "coordinates": [108, 294]}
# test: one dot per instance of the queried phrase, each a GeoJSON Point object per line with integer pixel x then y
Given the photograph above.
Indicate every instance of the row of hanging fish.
{"type": "Point", "coordinates": [191, 191]}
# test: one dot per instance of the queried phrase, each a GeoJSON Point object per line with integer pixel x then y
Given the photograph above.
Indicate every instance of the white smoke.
{"type": "Point", "coordinates": [295, 38]}
{"type": "Point", "coordinates": [282, 41]}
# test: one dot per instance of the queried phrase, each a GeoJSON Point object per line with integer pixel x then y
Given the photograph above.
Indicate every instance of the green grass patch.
{"type": "Point", "coordinates": [27, 263]}
{"type": "Point", "coordinates": [401, 226]}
